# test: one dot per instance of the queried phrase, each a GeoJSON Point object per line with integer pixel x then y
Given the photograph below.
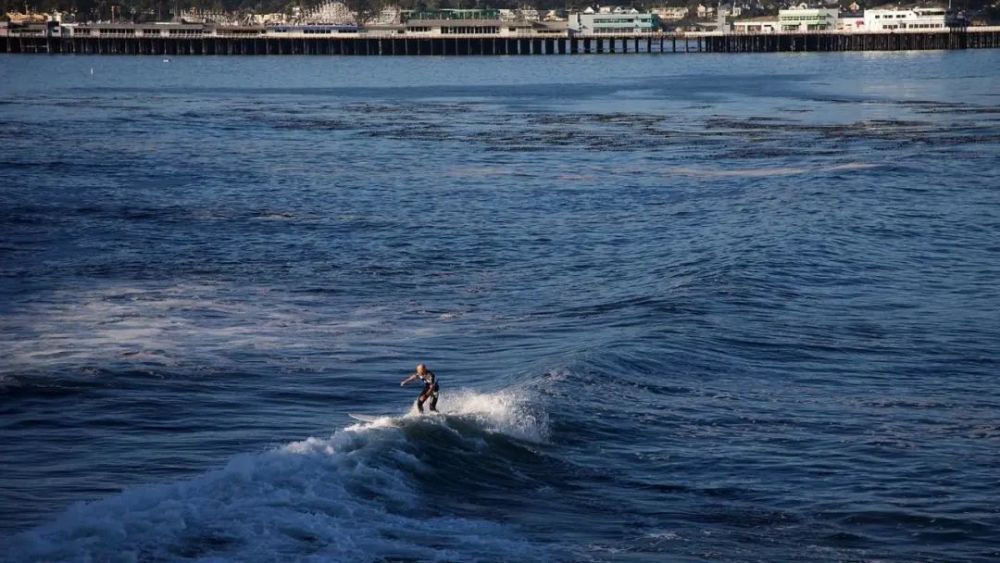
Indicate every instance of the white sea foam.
{"type": "Point", "coordinates": [706, 172]}
{"type": "Point", "coordinates": [508, 412]}
{"type": "Point", "coordinates": [852, 166]}
{"type": "Point", "coordinates": [349, 497]}
{"type": "Point", "coordinates": [207, 324]}
{"type": "Point", "coordinates": [736, 173]}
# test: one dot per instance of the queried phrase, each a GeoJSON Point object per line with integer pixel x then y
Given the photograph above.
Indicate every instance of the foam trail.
{"type": "Point", "coordinates": [354, 496]}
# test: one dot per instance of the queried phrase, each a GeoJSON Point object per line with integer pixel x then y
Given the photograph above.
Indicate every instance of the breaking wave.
{"type": "Point", "coordinates": [365, 493]}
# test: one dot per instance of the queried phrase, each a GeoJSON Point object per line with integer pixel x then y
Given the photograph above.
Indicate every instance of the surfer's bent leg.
{"type": "Point", "coordinates": [434, 397]}
{"type": "Point", "coordinates": [420, 402]}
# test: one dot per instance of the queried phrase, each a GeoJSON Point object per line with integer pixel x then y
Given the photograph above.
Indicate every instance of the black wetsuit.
{"type": "Point", "coordinates": [430, 391]}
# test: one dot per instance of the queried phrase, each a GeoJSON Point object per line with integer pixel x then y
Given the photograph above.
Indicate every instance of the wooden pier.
{"type": "Point", "coordinates": [462, 45]}
{"type": "Point", "coordinates": [967, 38]}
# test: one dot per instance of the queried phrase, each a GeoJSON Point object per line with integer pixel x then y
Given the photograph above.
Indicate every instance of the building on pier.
{"type": "Point", "coordinates": [892, 19]}
{"type": "Point", "coordinates": [456, 22]}
{"type": "Point", "coordinates": [617, 20]}
{"type": "Point", "coordinates": [310, 29]}
{"type": "Point", "coordinates": [763, 24]}
{"type": "Point", "coordinates": [47, 29]}
{"type": "Point", "coordinates": [466, 27]}
{"type": "Point", "coordinates": [413, 28]}
{"type": "Point", "coordinates": [456, 27]}
{"type": "Point", "coordinates": [127, 30]}
{"type": "Point", "coordinates": [194, 31]}
{"type": "Point", "coordinates": [803, 18]}
{"type": "Point", "coordinates": [470, 14]}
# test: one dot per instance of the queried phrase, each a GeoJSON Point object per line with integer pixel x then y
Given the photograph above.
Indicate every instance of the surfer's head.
{"type": "Point", "coordinates": [421, 369]}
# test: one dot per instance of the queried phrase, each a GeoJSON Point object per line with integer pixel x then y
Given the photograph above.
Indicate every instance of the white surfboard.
{"type": "Point", "coordinates": [374, 418]}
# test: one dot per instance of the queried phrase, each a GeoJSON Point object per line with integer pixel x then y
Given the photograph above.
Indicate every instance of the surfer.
{"type": "Point", "coordinates": [430, 387]}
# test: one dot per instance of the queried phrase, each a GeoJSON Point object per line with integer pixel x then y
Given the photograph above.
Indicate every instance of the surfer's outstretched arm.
{"type": "Point", "coordinates": [412, 377]}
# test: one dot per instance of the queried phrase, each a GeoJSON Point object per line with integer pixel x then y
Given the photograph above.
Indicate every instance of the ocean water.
{"type": "Point", "coordinates": [682, 308]}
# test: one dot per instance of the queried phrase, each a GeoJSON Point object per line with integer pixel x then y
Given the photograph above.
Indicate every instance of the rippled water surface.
{"type": "Point", "coordinates": [682, 308]}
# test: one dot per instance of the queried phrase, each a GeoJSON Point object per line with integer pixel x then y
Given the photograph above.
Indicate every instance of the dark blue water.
{"type": "Point", "coordinates": [722, 308]}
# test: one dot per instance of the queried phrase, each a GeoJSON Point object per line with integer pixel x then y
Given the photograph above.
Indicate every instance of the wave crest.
{"type": "Point", "coordinates": [355, 496]}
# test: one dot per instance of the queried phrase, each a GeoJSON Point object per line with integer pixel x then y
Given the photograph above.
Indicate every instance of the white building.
{"type": "Point", "coordinates": [617, 20]}
{"type": "Point", "coordinates": [803, 18]}
{"type": "Point", "coordinates": [894, 19]}
{"type": "Point", "coordinates": [766, 24]}
{"type": "Point", "coordinates": [466, 26]}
